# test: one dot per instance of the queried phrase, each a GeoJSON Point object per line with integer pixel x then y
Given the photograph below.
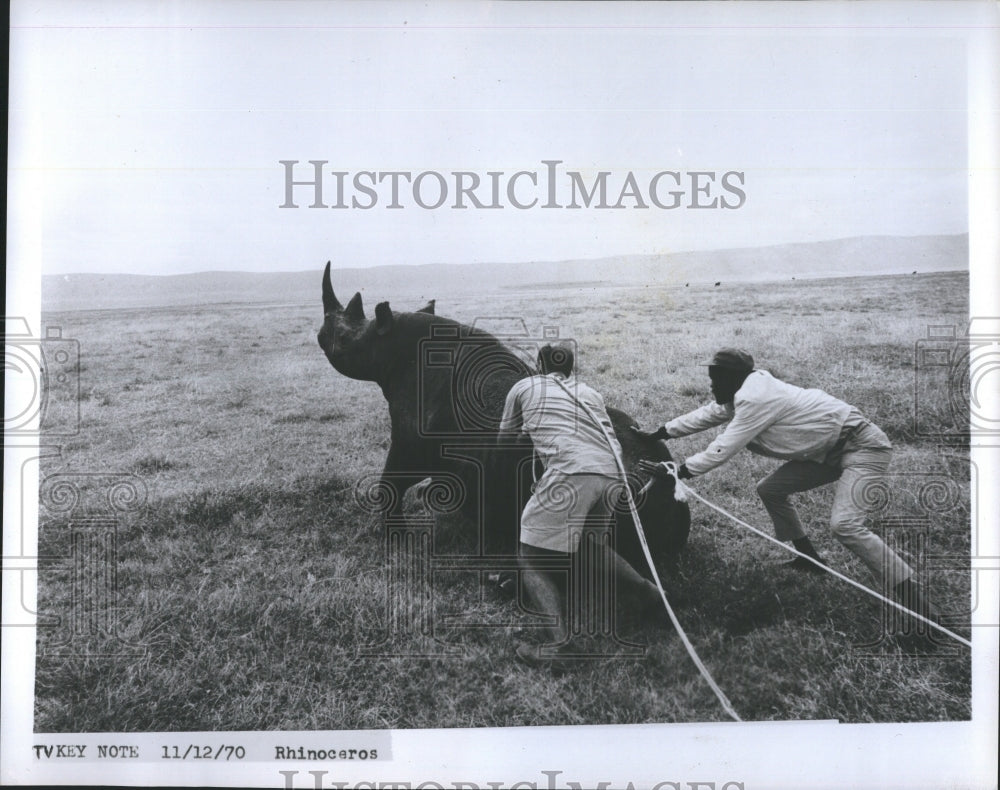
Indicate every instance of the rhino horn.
{"type": "Point", "coordinates": [330, 303]}
{"type": "Point", "coordinates": [428, 308]}
{"type": "Point", "coordinates": [355, 309]}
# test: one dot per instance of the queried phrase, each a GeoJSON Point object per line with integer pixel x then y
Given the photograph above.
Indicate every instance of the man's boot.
{"type": "Point", "coordinates": [802, 564]}
{"type": "Point", "coordinates": [805, 546]}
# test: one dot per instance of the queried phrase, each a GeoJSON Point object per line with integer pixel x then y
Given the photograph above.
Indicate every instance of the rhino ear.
{"type": "Point", "coordinates": [428, 308]}
{"type": "Point", "coordinates": [383, 318]}
{"type": "Point", "coordinates": [355, 310]}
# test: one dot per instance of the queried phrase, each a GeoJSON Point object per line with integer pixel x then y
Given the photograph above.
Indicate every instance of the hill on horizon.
{"type": "Point", "coordinates": [852, 257]}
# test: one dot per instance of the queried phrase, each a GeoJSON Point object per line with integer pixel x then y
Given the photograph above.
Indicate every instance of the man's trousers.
{"type": "Point", "coordinates": [858, 464]}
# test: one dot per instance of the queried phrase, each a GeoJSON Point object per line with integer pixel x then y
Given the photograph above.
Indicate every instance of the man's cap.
{"type": "Point", "coordinates": [731, 359]}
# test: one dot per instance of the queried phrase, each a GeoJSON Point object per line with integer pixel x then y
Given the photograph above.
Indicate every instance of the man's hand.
{"type": "Point", "coordinates": [649, 436]}
{"type": "Point", "coordinates": [683, 473]}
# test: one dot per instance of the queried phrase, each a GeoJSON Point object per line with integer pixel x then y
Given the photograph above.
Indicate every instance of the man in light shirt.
{"type": "Point", "coordinates": [580, 481]}
{"type": "Point", "coordinates": [820, 438]}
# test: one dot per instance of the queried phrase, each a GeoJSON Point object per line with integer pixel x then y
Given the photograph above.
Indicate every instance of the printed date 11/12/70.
{"type": "Point", "coordinates": [195, 752]}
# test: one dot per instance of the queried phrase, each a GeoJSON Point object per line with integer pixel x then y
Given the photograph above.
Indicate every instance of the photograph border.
{"type": "Point", "coordinates": [723, 756]}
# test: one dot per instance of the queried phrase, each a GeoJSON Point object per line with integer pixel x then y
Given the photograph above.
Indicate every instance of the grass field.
{"type": "Point", "coordinates": [251, 580]}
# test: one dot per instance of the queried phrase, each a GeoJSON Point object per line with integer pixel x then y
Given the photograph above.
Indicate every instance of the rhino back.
{"type": "Point", "coordinates": [442, 377]}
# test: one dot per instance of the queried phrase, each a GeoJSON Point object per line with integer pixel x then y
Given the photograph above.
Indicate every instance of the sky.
{"type": "Point", "coordinates": [146, 137]}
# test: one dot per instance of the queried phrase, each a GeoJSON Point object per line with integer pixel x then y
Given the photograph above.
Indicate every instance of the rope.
{"type": "Point", "coordinates": [682, 491]}
{"type": "Point", "coordinates": [726, 704]}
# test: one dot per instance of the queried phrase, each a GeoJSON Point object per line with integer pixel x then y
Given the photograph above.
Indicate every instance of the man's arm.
{"type": "Point", "coordinates": [703, 418]}
{"type": "Point", "coordinates": [749, 420]}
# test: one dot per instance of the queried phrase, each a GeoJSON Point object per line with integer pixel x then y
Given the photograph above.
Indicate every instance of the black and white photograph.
{"type": "Point", "coordinates": [501, 395]}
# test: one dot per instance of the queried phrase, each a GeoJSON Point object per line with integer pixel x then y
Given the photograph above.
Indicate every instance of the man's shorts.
{"type": "Point", "coordinates": [562, 504]}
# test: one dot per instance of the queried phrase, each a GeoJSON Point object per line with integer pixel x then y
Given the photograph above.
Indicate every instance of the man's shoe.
{"type": "Point", "coordinates": [802, 564]}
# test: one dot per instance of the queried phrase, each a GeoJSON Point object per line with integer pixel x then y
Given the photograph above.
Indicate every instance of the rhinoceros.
{"type": "Point", "coordinates": [445, 384]}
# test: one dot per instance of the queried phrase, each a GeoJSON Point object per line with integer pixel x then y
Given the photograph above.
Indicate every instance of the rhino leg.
{"type": "Point", "coordinates": [402, 471]}
{"type": "Point", "coordinates": [496, 487]}
{"type": "Point", "coordinates": [507, 489]}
